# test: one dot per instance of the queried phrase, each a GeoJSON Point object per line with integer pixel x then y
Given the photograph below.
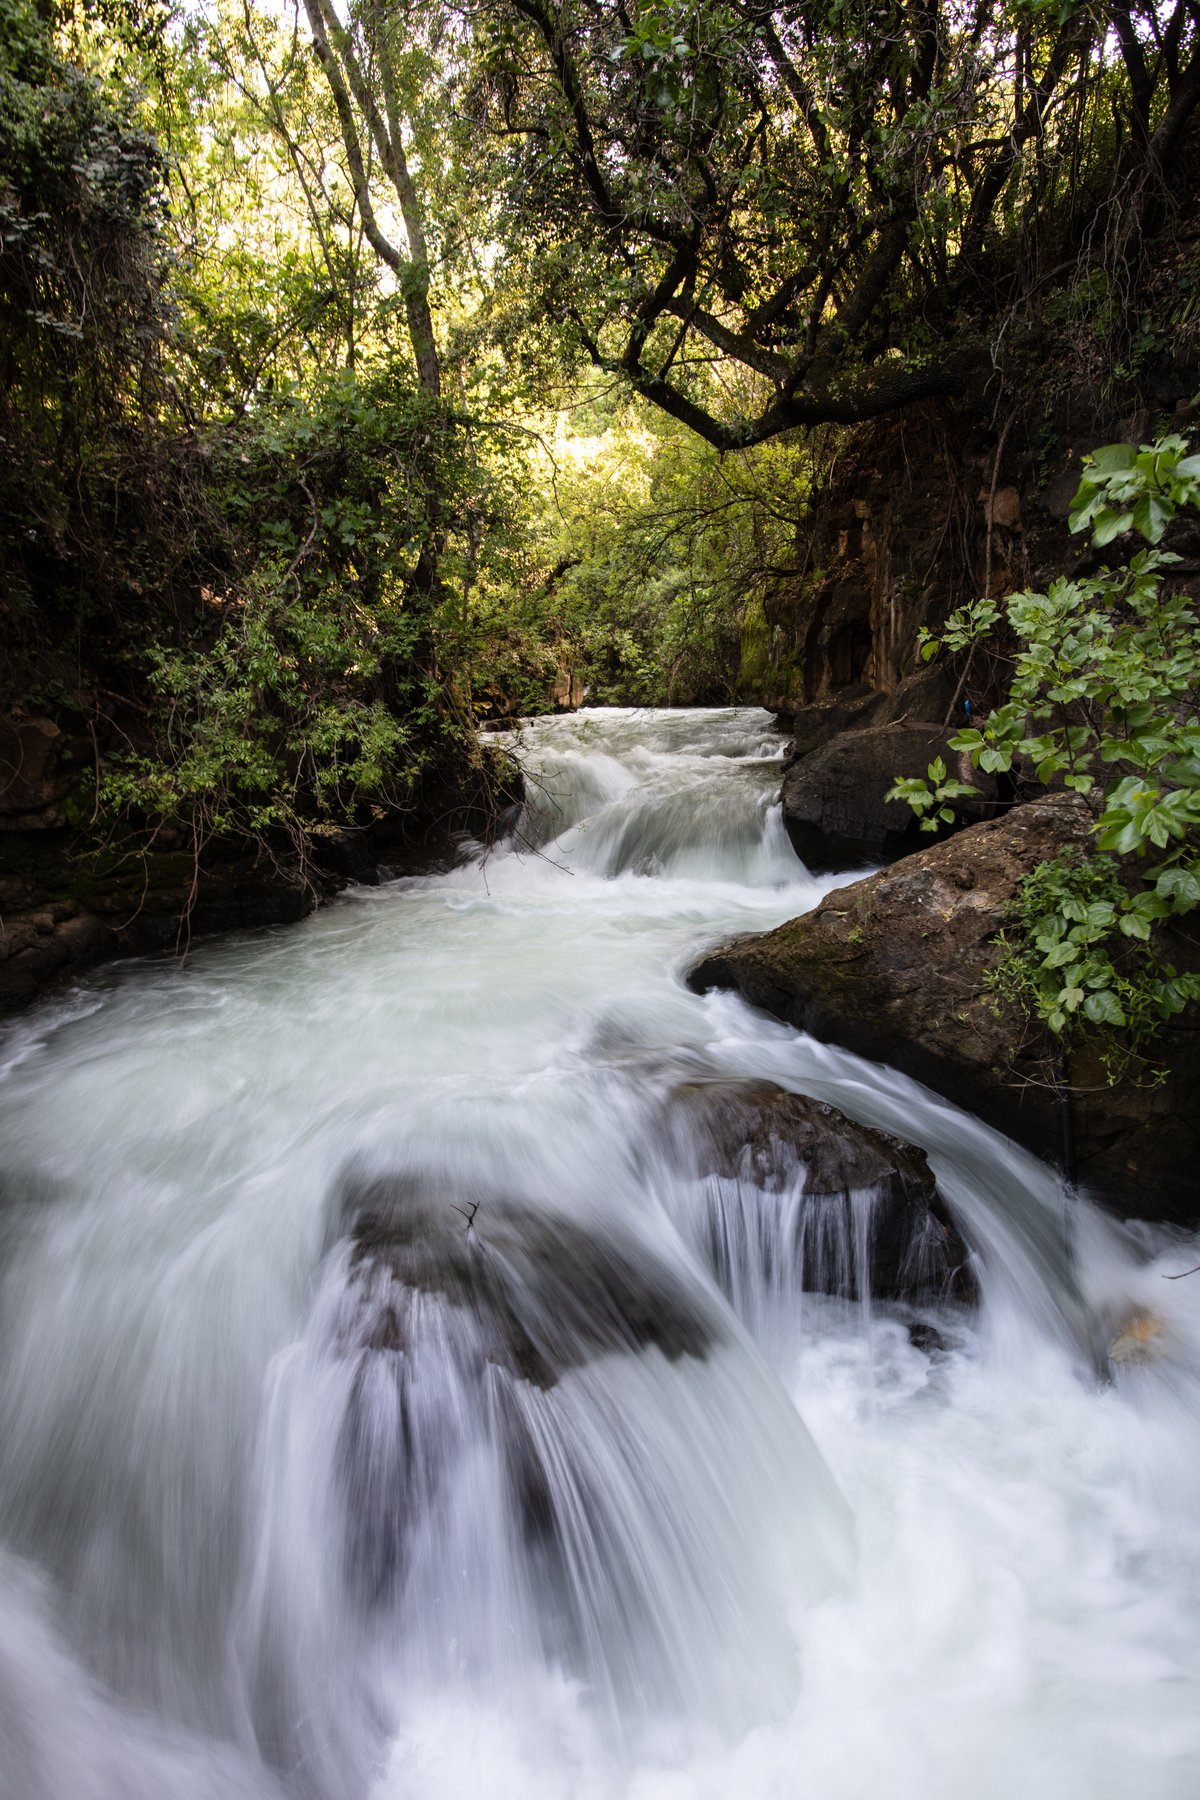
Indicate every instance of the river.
{"type": "Point", "coordinates": [546, 1515]}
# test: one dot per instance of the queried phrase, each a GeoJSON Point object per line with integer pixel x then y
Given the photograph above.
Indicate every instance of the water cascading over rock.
{"type": "Point", "coordinates": [412, 1383]}
{"type": "Point", "coordinates": [801, 1197]}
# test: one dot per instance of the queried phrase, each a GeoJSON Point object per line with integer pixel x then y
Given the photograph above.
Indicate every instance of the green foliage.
{"type": "Point", "coordinates": [265, 730]}
{"type": "Point", "coordinates": [242, 544]}
{"type": "Point", "coordinates": [929, 796]}
{"type": "Point", "coordinates": [656, 549]}
{"type": "Point", "coordinates": [1071, 959]}
{"type": "Point", "coordinates": [1105, 701]}
{"type": "Point", "coordinates": [307, 688]}
{"type": "Point", "coordinates": [82, 320]}
{"type": "Point", "coordinates": [823, 199]}
{"type": "Point", "coordinates": [1124, 489]}
{"type": "Point", "coordinates": [279, 521]}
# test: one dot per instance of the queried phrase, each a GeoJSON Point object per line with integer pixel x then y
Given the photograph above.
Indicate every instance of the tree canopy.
{"type": "Point", "coordinates": [768, 217]}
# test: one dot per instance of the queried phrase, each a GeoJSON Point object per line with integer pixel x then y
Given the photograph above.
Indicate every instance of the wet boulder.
{"type": "Point", "coordinates": [835, 807]}
{"type": "Point", "coordinates": [862, 1193]}
{"type": "Point", "coordinates": [545, 1293]}
{"type": "Point", "coordinates": [894, 968]}
{"type": "Point", "coordinates": [459, 1310]}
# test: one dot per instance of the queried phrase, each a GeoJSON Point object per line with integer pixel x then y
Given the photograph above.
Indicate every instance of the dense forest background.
{"type": "Point", "coordinates": [378, 369]}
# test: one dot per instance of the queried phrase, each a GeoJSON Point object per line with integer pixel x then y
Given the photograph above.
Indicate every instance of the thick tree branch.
{"type": "Point", "coordinates": [737, 344]}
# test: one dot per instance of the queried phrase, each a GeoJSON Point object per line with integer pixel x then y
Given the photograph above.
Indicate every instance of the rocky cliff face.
{"type": "Point", "coordinates": [918, 514]}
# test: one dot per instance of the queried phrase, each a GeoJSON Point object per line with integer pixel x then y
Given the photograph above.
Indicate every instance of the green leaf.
{"type": "Point", "coordinates": [1182, 886]}
{"type": "Point", "coordinates": [1103, 1008]}
{"type": "Point", "coordinates": [1111, 459]}
{"type": "Point", "coordinates": [1061, 955]}
{"type": "Point", "coordinates": [1122, 838]}
{"type": "Point", "coordinates": [1109, 525]}
{"type": "Point", "coordinates": [1151, 517]}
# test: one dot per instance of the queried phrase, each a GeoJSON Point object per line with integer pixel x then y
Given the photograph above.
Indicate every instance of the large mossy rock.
{"type": "Point", "coordinates": [893, 968]}
{"type": "Point", "coordinates": [771, 1141]}
{"type": "Point", "coordinates": [834, 804]}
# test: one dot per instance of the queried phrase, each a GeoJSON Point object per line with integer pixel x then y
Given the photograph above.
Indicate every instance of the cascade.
{"type": "Point", "coordinates": [397, 1400]}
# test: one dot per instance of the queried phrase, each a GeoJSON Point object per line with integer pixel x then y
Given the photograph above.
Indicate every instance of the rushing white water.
{"type": "Point", "coordinates": [375, 1420]}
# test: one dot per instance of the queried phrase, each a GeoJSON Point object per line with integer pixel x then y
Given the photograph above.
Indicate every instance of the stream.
{"type": "Point", "coordinates": [376, 1424]}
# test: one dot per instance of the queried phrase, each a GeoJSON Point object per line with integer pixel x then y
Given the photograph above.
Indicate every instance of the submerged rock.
{"type": "Point", "coordinates": [458, 1311]}
{"type": "Point", "coordinates": [776, 1143]}
{"type": "Point", "coordinates": [926, 1338]}
{"type": "Point", "coordinates": [546, 1294]}
{"type": "Point", "coordinates": [1141, 1338]}
{"type": "Point", "coordinates": [893, 967]}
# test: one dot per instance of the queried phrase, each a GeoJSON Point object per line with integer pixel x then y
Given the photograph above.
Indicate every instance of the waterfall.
{"type": "Point", "coordinates": [397, 1401]}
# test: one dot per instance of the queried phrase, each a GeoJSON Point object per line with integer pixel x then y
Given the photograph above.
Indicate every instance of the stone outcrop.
{"type": "Point", "coordinates": [834, 799]}
{"type": "Point", "coordinates": [927, 698]}
{"type": "Point", "coordinates": [35, 776]}
{"type": "Point", "coordinates": [771, 1140]}
{"type": "Point", "coordinates": [137, 907]}
{"type": "Point", "coordinates": [67, 901]}
{"type": "Point", "coordinates": [892, 967]}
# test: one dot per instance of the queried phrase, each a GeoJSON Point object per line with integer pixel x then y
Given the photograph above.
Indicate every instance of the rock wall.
{"type": "Point", "coordinates": [919, 513]}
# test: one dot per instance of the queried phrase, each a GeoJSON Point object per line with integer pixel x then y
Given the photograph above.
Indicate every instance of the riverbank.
{"type": "Point", "coordinates": [68, 901]}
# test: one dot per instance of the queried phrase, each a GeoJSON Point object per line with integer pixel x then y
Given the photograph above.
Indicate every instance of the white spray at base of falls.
{"type": "Point", "coordinates": [522, 1509]}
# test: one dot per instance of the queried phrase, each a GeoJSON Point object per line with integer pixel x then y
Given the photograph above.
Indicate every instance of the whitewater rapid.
{"type": "Point", "coordinates": [280, 1522]}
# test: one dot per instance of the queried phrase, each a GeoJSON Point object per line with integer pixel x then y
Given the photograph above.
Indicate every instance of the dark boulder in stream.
{"type": "Point", "coordinates": [861, 1201]}
{"type": "Point", "coordinates": [834, 804]}
{"type": "Point", "coordinates": [546, 1294]}
{"type": "Point", "coordinates": [480, 1302]}
{"type": "Point", "coordinates": [893, 968]}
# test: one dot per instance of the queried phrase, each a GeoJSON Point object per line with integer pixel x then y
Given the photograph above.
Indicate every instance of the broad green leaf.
{"type": "Point", "coordinates": [1103, 1008]}
{"type": "Point", "coordinates": [1111, 459]}
{"type": "Point", "coordinates": [1109, 525]}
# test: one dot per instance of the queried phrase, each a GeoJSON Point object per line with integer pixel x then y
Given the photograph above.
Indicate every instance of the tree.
{"type": "Point", "coordinates": [830, 196]}
{"type": "Point", "coordinates": [83, 259]}
{"type": "Point", "coordinates": [362, 66]}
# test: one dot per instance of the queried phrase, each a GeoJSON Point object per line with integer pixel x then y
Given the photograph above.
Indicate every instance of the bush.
{"type": "Point", "coordinates": [1105, 701]}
